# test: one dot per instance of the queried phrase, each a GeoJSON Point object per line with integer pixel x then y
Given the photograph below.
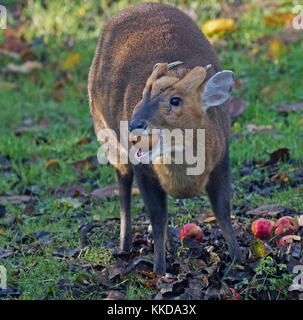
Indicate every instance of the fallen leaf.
{"type": "Point", "coordinates": [214, 26]}
{"type": "Point", "coordinates": [258, 248]}
{"type": "Point", "coordinates": [69, 202]}
{"type": "Point", "coordinates": [31, 128]}
{"type": "Point", "coordinates": [69, 190]}
{"type": "Point", "coordinates": [52, 164]}
{"type": "Point", "coordinates": [13, 44]}
{"type": "Point", "coordinates": [236, 106]}
{"type": "Point", "coordinates": [288, 239]}
{"type": "Point", "coordinates": [270, 210]}
{"type": "Point", "coordinates": [67, 253]}
{"type": "Point", "coordinates": [290, 36]}
{"type": "Point", "coordinates": [71, 61]}
{"type": "Point", "coordinates": [200, 218]}
{"type": "Point", "coordinates": [84, 141]}
{"type": "Point", "coordinates": [110, 191]}
{"type": "Point", "coordinates": [265, 39]}
{"type": "Point", "coordinates": [10, 54]}
{"type": "Point", "coordinates": [279, 178]}
{"type": "Point", "coordinates": [4, 253]}
{"type": "Point", "coordinates": [82, 164]}
{"type": "Point", "coordinates": [7, 85]}
{"type": "Point", "coordinates": [275, 49]}
{"type": "Point", "coordinates": [24, 68]}
{"type": "Point", "coordinates": [290, 107]}
{"type": "Point", "coordinates": [115, 295]}
{"type": "Point", "coordinates": [254, 128]}
{"type": "Point", "coordinates": [15, 199]}
{"type": "Point", "coordinates": [281, 154]}
{"type": "Point", "coordinates": [27, 54]}
{"type": "Point", "coordinates": [279, 18]}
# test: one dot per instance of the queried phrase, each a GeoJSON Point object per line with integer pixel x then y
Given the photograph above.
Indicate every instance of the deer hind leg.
{"type": "Point", "coordinates": [219, 192]}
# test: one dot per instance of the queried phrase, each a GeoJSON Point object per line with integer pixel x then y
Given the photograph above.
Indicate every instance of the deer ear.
{"type": "Point", "coordinates": [217, 89]}
{"type": "Point", "coordinates": [193, 79]}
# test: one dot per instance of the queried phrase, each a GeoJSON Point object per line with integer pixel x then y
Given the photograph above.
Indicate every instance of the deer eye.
{"type": "Point", "coordinates": [175, 101]}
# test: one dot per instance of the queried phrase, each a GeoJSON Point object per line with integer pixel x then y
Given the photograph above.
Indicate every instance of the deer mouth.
{"type": "Point", "coordinates": [148, 145]}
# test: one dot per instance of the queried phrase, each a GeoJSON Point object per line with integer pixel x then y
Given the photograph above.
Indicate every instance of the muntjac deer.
{"type": "Point", "coordinates": [155, 69]}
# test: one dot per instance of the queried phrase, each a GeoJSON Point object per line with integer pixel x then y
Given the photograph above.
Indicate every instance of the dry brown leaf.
{"type": "Point", "coordinates": [204, 214]}
{"type": "Point", "coordinates": [24, 68]}
{"type": "Point", "coordinates": [110, 191]}
{"type": "Point", "coordinates": [13, 44]}
{"type": "Point", "coordinates": [254, 128]}
{"type": "Point", "coordinates": [208, 217]}
{"type": "Point", "coordinates": [270, 210]}
{"type": "Point", "coordinates": [32, 128]}
{"type": "Point", "coordinates": [27, 54]}
{"type": "Point", "coordinates": [290, 107]}
{"type": "Point", "coordinates": [15, 199]}
{"type": "Point", "coordinates": [7, 85]}
{"type": "Point", "coordinates": [69, 190]}
{"type": "Point", "coordinates": [10, 54]}
{"type": "Point", "coordinates": [82, 164]}
{"type": "Point", "coordinates": [279, 18]}
{"type": "Point", "coordinates": [84, 141]}
{"type": "Point", "coordinates": [291, 36]}
{"type": "Point", "coordinates": [265, 39]}
{"type": "Point", "coordinates": [52, 164]}
{"type": "Point", "coordinates": [115, 295]}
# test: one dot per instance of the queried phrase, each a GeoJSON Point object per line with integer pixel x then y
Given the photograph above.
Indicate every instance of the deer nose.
{"type": "Point", "coordinates": [137, 124]}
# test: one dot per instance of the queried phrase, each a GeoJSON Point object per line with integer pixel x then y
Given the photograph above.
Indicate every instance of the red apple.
{"type": "Point", "coordinates": [262, 228]}
{"type": "Point", "coordinates": [287, 239]}
{"type": "Point", "coordinates": [286, 225]}
{"type": "Point", "coordinates": [191, 231]}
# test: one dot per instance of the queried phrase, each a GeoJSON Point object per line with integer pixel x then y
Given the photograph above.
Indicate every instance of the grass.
{"type": "Point", "coordinates": [68, 27]}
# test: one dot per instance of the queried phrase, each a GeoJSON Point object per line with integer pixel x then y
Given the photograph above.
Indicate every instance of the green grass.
{"type": "Point", "coordinates": [68, 27]}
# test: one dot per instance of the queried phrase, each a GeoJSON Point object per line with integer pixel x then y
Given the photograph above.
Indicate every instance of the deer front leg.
{"type": "Point", "coordinates": [155, 201]}
{"type": "Point", "coordinates": [125, 188]}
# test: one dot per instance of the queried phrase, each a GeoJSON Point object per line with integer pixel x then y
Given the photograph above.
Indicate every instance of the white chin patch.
{"type": "Point", "coordinates": [146, 154]}
{"type": "Point", "coordinates": [154, 148]}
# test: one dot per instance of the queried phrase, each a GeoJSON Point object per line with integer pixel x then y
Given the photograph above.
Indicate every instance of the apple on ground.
{"type": "Point", "coordinates": [285, 226]}
{"type": "Point", "coordinates": [191, 231]}
{"type": "Point", "coordinates": [262, 228]}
